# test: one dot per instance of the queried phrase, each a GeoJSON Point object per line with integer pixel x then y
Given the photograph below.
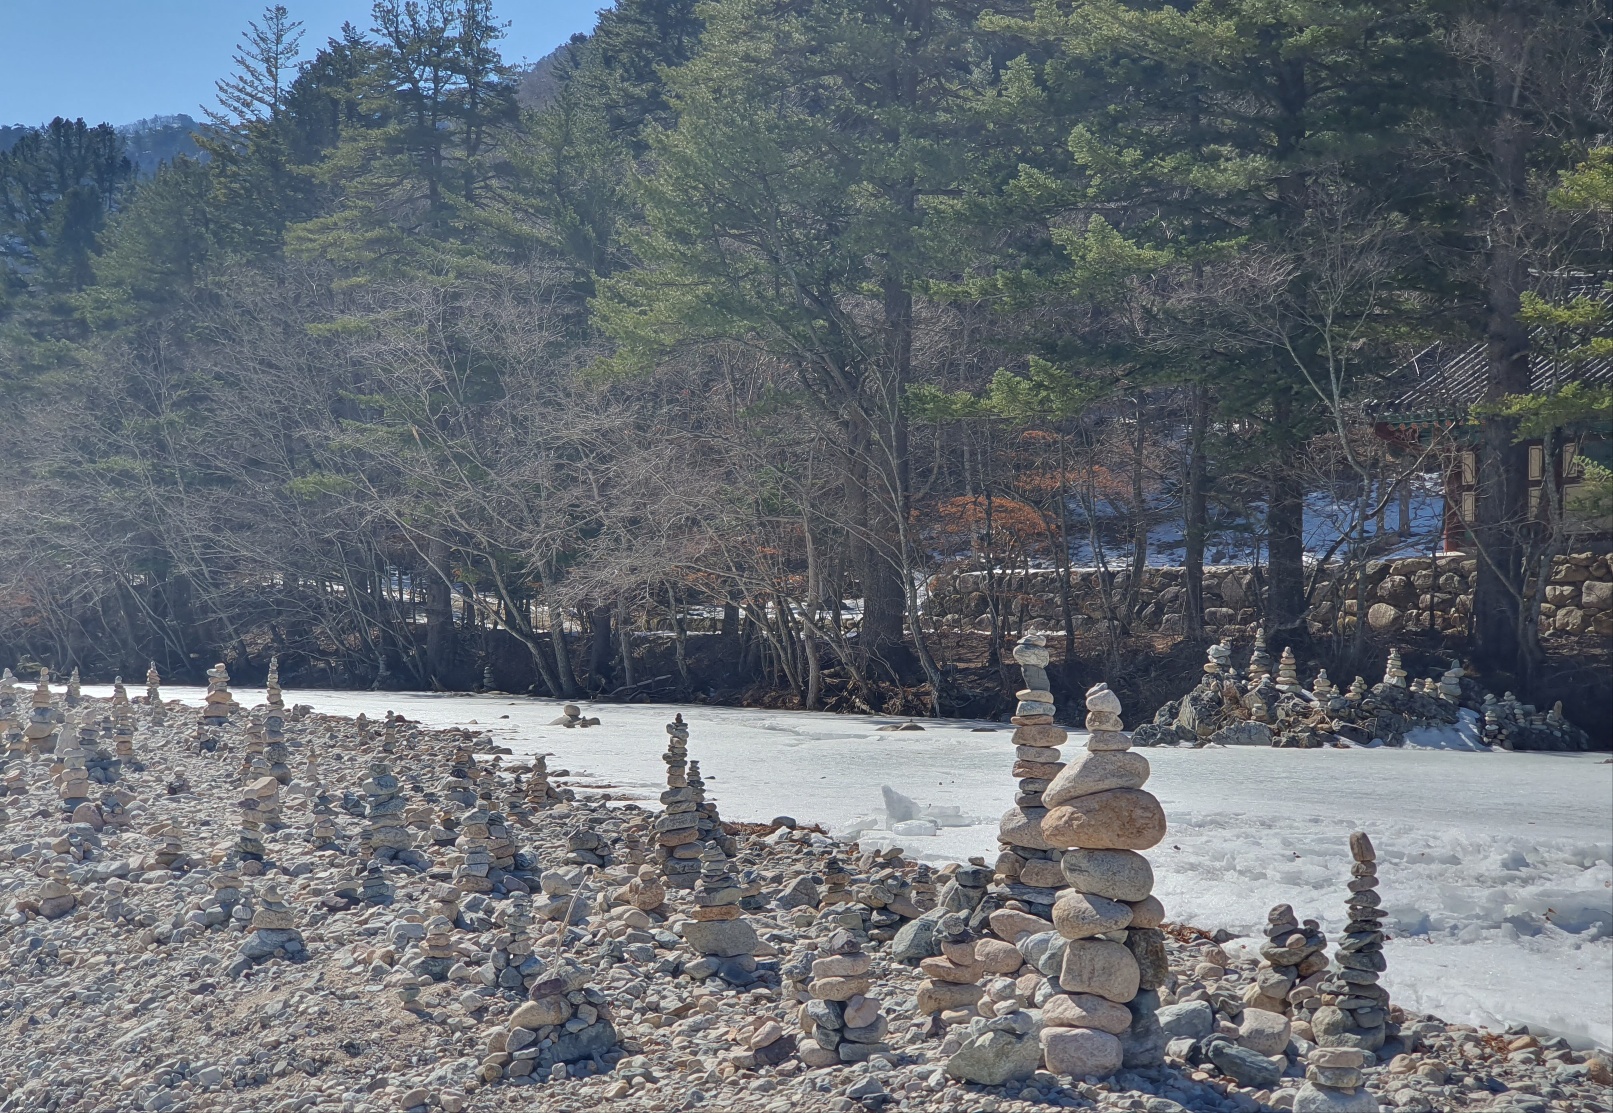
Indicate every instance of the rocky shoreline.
{"type": "Point", "coordinates": [272, 909]}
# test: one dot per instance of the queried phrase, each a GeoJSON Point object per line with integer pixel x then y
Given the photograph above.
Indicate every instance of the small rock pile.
{"type": "Point", "coordinates": [1335, 1083]}
{"type": "Point", "coordinates": [385, 836]}
{"type": "Point", "coordinates": [719, 932]}
{"type": "Point", "coordinates": [10, 726]}
{"type": "Point", "coordinates": [275, 751]}
{"type": "Point", "coordinates": [1353, 1009]}
{"type": "Point", "coordinates": [75, 689]}
{"type": "Point", "coordinates": [272, 694]}
{"type": "Point", "coordinates": [540, 794]}
{"type": "Point", "coordinates": [123, 727]}
{"type": "Point", "coordinates": [565, 1021]}
{"type": "Point", "coordinates": [475, 862]}
{"type": "Point", "coordinates": [1293, 961]}
{"type": "Point", "coordinates": [571, 716]}
{"type": "Point", "coordinates": [272, 932]}
{"type": "Point", "coordinates": [260, 808]}
{"type": "Point", "coordinates": [842, 1023]}
{"type": "Point", "coordinates": [40, 733]}
{"type": "Point", "coordinates": [70, 772]}
{"type": "Point", "coordinates": [218, 701]}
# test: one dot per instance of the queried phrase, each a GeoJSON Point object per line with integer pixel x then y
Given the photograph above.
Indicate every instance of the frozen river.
{"type": "Point", "coordinates": [1495, 866]}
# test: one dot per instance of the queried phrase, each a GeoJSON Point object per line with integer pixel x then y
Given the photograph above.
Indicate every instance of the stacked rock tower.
{"type": "Point", "coordinates": [677, 829]}
{"type": "Point", "coordinates": [1354, 1007]}
{"type": "Point", "coordinates": [40, 733]}
{"type": "Point", "coordinates": [1028, 866]}
{"type": "Point", "coordinates": [1114, 958]}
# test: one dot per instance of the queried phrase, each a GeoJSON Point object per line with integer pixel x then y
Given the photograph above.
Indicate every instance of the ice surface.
{"type": "Point", "coordinates": [1495, 866]}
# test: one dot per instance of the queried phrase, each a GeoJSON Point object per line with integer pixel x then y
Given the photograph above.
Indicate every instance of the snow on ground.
{"type": "Point", "coordinates": [1492, 922]}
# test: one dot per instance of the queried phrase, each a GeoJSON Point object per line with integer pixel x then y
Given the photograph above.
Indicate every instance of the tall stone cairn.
{"type": "Point", "coordinates": [1293, 961]}
{"type": "Point", "coordinates": [1027, 866]}
{"type": "Point", "coordinates": [123, 725]}
{"type": "Point", "coordinates": [1114, 958]}
{"type": "Point", "coordinates": [1394, 674]}
{"type": "Point", "coordinates": [1259, 658]}
{"type": "Point", "coordinates": [274, 739]}
{"type": "Point", "coordinates": [1354, 1008]}
{"type": "Point", "coordinates": [677, 829]}
{"type": "Point", "coordinates": [473, 872]}
{"type": "Point", "coordinates": [842, 1022]}
{"type": "Point", "coordinates": [72, 775]}
{"type": "Point", "coordinates": [1288, 673]}
{"type": "Point", "coordinates": [540, 794]}
{"type": "Point", "coordinates": [218, 701]}
{"type": "Point", "coordinates": [385, 833]}
{"type": "Point", "coordinates": [75, 689]}
{"type": "Point", "coordinates": [1450, 684]}
{"type": "Point", "coordinates": [40, 733]}
{"type": "Point", "coordinates": [10, 724]}
{"type": "Point", "coordinates": [273, 695]}
{"type": "Point", "coordinates": [154, 693]}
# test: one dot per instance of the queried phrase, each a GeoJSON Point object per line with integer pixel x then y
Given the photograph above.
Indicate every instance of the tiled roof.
{"type": "Point", "coordinates": [1441, 382]}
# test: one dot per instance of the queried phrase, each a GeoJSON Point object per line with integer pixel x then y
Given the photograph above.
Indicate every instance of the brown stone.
{"type": "Point", "coordinates": [1120, 819]}
{"type": "Point", "coordinates": [1147, 913]}
{"type": "Point", "coordinates": [1096, 771]}
{"type": "Point", "coordinates": [1100, 967]}
{"type": "Point", "coordinates": [1046, 770]}
{"type": "Point", "coordinates": [1010, 924]}
{"type": "Point", "coordinates": [1082, 915]}
{"type": "Point", "coordinates": [939, 997]}
{"type": "Point", "coordinates": [1084, 1010]}
{"type": "Point", "coordinates": [997, 957]}
{"type": "Point", "coordinates": [1041, 736]}
{"type": "Point", "coordinates": [717, 912]}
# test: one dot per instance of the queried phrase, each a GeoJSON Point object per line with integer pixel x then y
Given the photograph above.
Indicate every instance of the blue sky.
{"type": "Point", "coordinates": [122, 60]}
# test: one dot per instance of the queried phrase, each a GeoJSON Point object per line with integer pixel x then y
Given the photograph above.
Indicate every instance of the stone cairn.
{"type": "Point", "coordinates": [1259, 658]}
{"type": "Point", "coordinates": [1293, 961]}
{"type": "Point", "coordinates": [215, 708]}
{"type": "Point", "coordinates": [274, 738]}
{"type": "Point", "coordinates": [75, 689]}
{"type": "Point", "coordinates": [260, 811]}
{"type": "Point", "coordinates": [384, 833]}
{"type": "Point", "coordinates": [540, 794]}
{"type": "Point", "coordinates": [123, 726]}
{"type": "Point", "coordinates": [253, 763]}
{"type": "Point", "coordinates": [719, 933]}
{"type": "Point", "coordinates": [70, 772]}
{"type": "Point", "coordinates": [154, 693]}
{"type": "Point", "coordinates": [1353, 1008]}
{"type": "Point", "coordinates": [55, 898]}
{"type": "Point", "coordinates": [488, 683]}
{"type": "Point", "coordinates": [565, 1021]}
{"type": "Point", "coordinates": [471, 874]}
{"type": "Point", "coordinates": [272, 932]}
{"type": "Point", "coordinates": [1027, 866]}
{"type": "Point", "coordinates": [1288, 673]}
{"type": "Point", "coordinates": [10, 726]}
{"type": "Point", "coordinates": [40, 733]}
{"type": "Point", "coordinates": [512, 946]}
{"type": "Point", "coordinates": [273, 695]}
{"type": "Point", "coordinates": [1450, 684]}
{"type": "Point", "coordinates": [677, 830]}
{"type": "Point", "coordinates": [1394, 674]}
{"type": "Point", "coordinates": [571, 716]}
{"type": "Point", "coordinates": [98, 746]}
{"type": "Point", "coordinates": [1114, 959]}
{"type": "Point", "coordinates": [842, 1023]}
{"type": "Point", "coordinates": [170, 852]}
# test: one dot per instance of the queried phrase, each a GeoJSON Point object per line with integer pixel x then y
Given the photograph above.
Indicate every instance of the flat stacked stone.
{"type": "Point", "coordinates": [272, 694]}
{"type": "Point", "coordinates": [437, 954]}
{"type": "Point", "coordinates": [70, 771]}
{"type": "Point", "coordinates": [1394, 674]}
{"type": "Point", "coordinates": [473, 872]}
{"type": "Point", "coordinates": [1293, 961]}
{"type": "Point", "coordinates": [123, 726]}
{"type": "Point", "coordinates": [565, 1021]}
{"type": "Point", "coordinates": [1353, 1008]}
{"type": "Point", "coordinates": [218, 701]}
{"type": "Point", "coordinates": [678, 845]}
{"type": "Point", "coordinates": [275, 751]}
{"type": "Point", "coordinates": [842, 1022]}
{"type": "Point", "coordinates": [1114, 954]}
{"type": "Point", "coordinates": [500, 846]}
{"type": "Point", "coordinates": [384, 832]}
{"type": "Point", "coordinates": [1027, 866]}
{"type": "Point", "coordinates": [1288, 673]}
{"type": "Point", "coordinates": [55, 897]}
{"type": "Point", "coordinates": [374, 887]}
{"type": "Point", "coordinates": [75, 689]}
{"type": "Point", "coordinates": [170, 852]}
{"type": "Point", "coordinates": [10, 723]}
{"type": "Point", "coordinates": [1335, 1083]}
{"type": "Point", "coordinates": [1450, 683]}
{"type": "Point", "coordinates": [540, 794]}
{"type": "Point", "coordinates": [154, 693]}
{"type": "Point", "coordinates": [272, 932]}
{"type": "Point", "coordinates": [513, 945]}
{"type": "Point", "coordinates": [40, 733]}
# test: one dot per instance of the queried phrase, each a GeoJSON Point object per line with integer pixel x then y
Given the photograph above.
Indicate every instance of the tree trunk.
{"type": "Point", "coordinates": [562, 653]}
{"type": "Point", "coordinates": [1196, 512]}
{"type": "Point", "coordinates": [1285, 528]}
{"type": "Point", "coordinates": [599, 647]}
{"type": "Point", "coordinates": [439, 616]}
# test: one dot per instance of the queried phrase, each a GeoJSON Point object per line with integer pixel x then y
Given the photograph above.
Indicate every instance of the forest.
{"type": "Point", "coordinates": [684, 361]}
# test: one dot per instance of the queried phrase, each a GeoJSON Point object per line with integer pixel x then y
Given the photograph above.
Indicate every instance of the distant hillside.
{"type": "Point", "coordinates": [538, 86]}
{"type": "Point", "coordinates": [148, 143]}
{"type": "Point", "coordinates": [158, 139]}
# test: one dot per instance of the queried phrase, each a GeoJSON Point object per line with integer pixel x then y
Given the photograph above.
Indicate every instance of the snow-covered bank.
{"type": "Point", "coordinates": [1496, 866]}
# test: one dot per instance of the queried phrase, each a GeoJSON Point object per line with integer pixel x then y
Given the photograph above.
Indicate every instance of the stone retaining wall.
{"type": "Point", "coordinates": [1414, 594]}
